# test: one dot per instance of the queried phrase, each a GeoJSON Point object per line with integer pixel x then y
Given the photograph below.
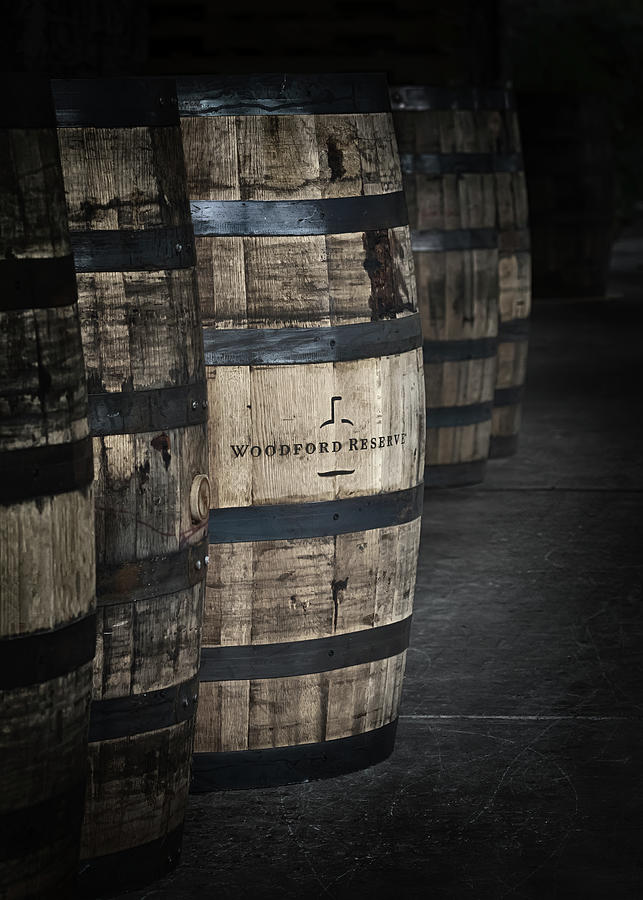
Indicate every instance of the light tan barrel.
{"type": "Point", "coordinates": [134, 253]}
{"type": "Point", "coordinates": [47, 568]}
{"type": "Point", "coordinates": [312, 343]}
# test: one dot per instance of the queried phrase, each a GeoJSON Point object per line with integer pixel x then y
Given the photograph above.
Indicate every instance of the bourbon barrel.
{"type": "Point", "coordinates": [47, 569]}
{"type": "Point", "coordinates": [133, 248]}
{"type": "Point", "coordinates": [313, 359]}
{"type": "Point", "coordinates": [460, 156]}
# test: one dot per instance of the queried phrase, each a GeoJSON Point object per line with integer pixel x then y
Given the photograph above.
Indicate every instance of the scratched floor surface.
{"type": "Point", "coordinates": [519, 760]}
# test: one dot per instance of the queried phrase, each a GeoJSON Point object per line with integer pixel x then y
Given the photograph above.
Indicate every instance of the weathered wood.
{"type": "Point", "coordinates": [144, 353]}
{"type": "Point", "coordinates": [47, 567]}
{"type": "Point", "coordinates": [462, 167]}
{"type": "Point", "coordinates": [290, 432]}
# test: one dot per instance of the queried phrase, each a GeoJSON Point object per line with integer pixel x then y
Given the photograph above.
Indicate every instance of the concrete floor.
{"type": "Point", "coordinates": [517, 771]}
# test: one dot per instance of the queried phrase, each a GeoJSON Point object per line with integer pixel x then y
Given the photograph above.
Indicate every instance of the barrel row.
{"type": "Point", "coordinates": [463, 177]}
{"type": "Point", "coordinates": [309, 362]}
{"type": "Point", "coordinates": [348, 469]}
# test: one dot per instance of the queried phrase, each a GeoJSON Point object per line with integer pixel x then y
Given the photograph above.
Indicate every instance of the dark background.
{"type": "Point", "coordinates": [591, 47]}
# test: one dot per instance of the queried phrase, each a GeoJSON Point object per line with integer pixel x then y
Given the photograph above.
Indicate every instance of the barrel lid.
{"type": "Point", "coordinates": [282, 94]}
{"type": "Point", "coordinates": [420, 97]}
{"type": "Point", "coordinates": [115, 102]}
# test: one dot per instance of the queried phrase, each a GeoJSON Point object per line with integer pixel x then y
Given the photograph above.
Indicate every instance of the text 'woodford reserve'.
{"type": "Point", "coordinates": [358, 444]}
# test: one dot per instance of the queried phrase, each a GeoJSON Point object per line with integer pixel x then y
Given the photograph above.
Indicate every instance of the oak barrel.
{"type": "Point", "coordinates": [569, 160]}
{"type": "Point", "coordinates": [313, 360]}
{"type": "Point", "coordinates": [133, 248]}
{"type": "Point", "coordinates": [47, 568]}
{"type": "Point", "coordinates": [447, 143]}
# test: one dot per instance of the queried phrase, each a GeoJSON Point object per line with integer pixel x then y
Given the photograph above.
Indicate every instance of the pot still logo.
{"type": "Point", "coordinates": [320, 447]}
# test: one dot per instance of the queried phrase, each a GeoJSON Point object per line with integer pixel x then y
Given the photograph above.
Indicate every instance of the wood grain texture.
{"type": "Point", "coordinates": [141, 332]}
{"type": "Point", "coordinates": [47, 563]}
{"type": "Point", "coordinates": [304, 709]}
{"type": "Point", "coordinates": [289, 434]}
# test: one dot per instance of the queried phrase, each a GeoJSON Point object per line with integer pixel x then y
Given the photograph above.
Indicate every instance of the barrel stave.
{"type": "Point", "coordinates": [262, 592]}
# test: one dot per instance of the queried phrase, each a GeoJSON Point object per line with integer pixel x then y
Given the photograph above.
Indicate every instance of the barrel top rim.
{"type": "Point", "coordinates": [118, 101]}
{"type": "Point", "coordinates": [113, 80]}
{"type": "Point", "coordinates": [282, 93]}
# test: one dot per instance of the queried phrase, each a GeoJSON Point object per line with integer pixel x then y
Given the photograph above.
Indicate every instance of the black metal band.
{"type": "Point", "coordinates": [459, 351]}
{"type": "Point", "coordinates": [42, 824]}
{"type": "Point", "coordinates": [292, 658]}
{"type": "Point", "coordinates": [241, 769]}
{"type": "Point", "coordinates": [27, 101]}
{"type": "Point", "coordinates": [282, 94]}
{"type": "Point", "coordinates": [503, 445]}
{"type": "Point", "coordinates": [459, 239]}
{"type": "Point", "coordinates": [37, 283]}
{"type": "Point", "coordinates": [513, 330]}
{"type": "Point", "coordinates": [144, 250]}
{"type": "Point", "coordinates": [126, 716]}
{"type": "Point", "coordinates": [44, 471]}
{"type": "Point", "coordinates": [459, 163]}
{"type": "Point", "coordinates": [129, 869]}
{"type": "Point", "coordinates": [338, 215]}
{"type": "Point", "coordinates": [417, 97]}
{"type": "Point", "coordinates": [510, 396]}
{"type": "Point", "coordinates": [455, 474]}
{"type": "Point", "coordinates": [38, 657]}
{"type": "Point", "coordinates": [115, 102]}
{"type": "Point", "coordinates": [456, 416]}
{"type": "Point", "coordinates": [133, 412]}
{"type": "Point", "coordinates": [517, 240]}
{"type": "Point", "coordinates": [157, 576]}
{"type": "Point", "coordinates": [292, 346]}
{"type": "Point", "coordinates": [308, 520]}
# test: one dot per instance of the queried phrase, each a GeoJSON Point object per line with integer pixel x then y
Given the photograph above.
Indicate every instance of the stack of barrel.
{"type": "Point", "coordinates": [310, 362]}
{"type": "Point", "coordinates": [464, 181]}
{"type": "Point", "coordinates": [287, 218]}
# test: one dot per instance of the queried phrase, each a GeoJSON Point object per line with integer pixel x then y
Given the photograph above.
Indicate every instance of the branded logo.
{"type": "Point", "coordinates": [350, 445]}
{"type": "Point", "coordinates": [332, 472]}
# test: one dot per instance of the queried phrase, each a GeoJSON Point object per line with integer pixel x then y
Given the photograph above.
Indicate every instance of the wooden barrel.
{"type": "Point", "coordinates": [569, 160]}
{"type": "Point", "coordinates": [47, 568]}
{"type": "Point", "coordinates": [312, 342]}
{"type": "Point", "coordinates": [448, 141]}
{"type": "Point", "coordinates": [514, 274]}
{"type": "Point", "coordinates": [133, 248]}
